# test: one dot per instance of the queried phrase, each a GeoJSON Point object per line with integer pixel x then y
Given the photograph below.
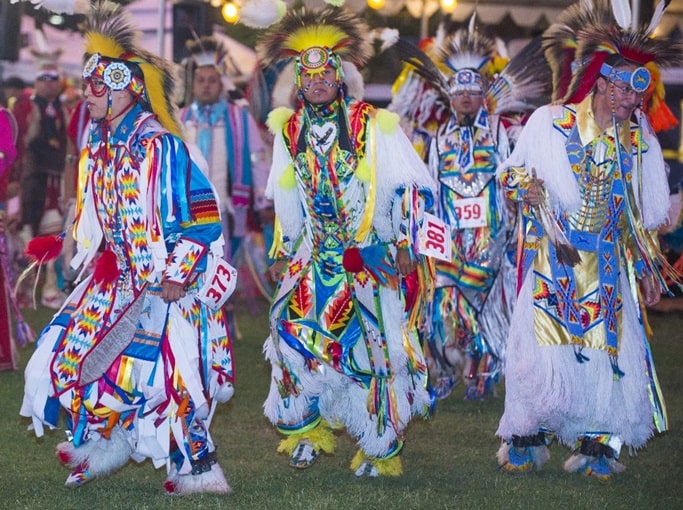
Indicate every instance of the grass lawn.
{"type": "Point", "coordinates": [449, 460]}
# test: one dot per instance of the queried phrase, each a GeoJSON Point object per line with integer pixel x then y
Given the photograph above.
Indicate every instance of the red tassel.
{"type": "Point", "coordinates": [106, 269]}
{"type": "Point", "coordinates": [412, 288]}
{"type": "Point", "coordinates": [352, 260]}
{"type": "Point", "coordinates": [44, 249]}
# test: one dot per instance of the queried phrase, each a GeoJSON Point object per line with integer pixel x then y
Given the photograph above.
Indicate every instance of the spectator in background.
{"type": "Point", "coordinates": [18, 97]}
{"type": "Point", "coordinates": [43, 168]}
{"type": "Point", "coordinates": [229, 139]}
{"type": "Point", "coordinates": [8, 153]}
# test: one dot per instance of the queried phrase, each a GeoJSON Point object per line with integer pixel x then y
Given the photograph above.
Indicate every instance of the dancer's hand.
{"type": "Point", "coordinates": [171, 291]}
{"type": "Point", "coordinates": [275, 270]}
{"type": "Point", "coordinates": [649, 290]}
{"type": "Point", "coordinates": [404, 262]}
{"type": "Point", "coordinates": [535, 193]}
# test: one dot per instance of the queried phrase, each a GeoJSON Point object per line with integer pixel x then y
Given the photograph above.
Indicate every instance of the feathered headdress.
{"type": "Point", "coordinates": [466, 48]}
{"type": "Point", "coordinates": [469, 60]}
{"type": "Point", "coordinates": [316, 38]}
{"type": "Point", "coordinates": [116, 58]}
{"type": "Point", "coordinates": [208, 51]}
{"type": "Point", "coordinates": [589, 32]}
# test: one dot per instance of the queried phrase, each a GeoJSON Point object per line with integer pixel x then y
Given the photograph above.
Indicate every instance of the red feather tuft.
{"type": "Point", "coordinates": [44, 249]}
{"type": "Point", "coordinates": [588, 78]}
{"type": "Point", "coordinates": [638, 55]}
{"type": "Point", "coordinates": [352, 261]}
{"type": "Point", "coordinates": [106, 269]}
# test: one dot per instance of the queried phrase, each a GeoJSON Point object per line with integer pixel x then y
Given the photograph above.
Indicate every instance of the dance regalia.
{"type": "Point", "coordinates": [229, 139]}
{"type": "Point", "coordinates": [469, 313]}
{"type": "Point", "coordinates": [348, 189]}
{"type": "Point", "coordinates": [583, 326]}
{"type": "Point", "coordinates": [143, 201]}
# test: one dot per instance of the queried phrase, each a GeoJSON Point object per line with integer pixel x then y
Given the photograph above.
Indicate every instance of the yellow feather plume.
{"type": "Point", "coordinates": [288, 178]}
{"type": "Point", "coordinates": [277, 118]}
{"type": "Point", "coordinates": [387, 121]}
{"type": "Point", "coordinates": [327, 36]}
{"type": "Point", "coordinates": [96, 42]}
{"type": "Point", "coordinates": [156, 91]}
{"type": "Point", "coordinates": [320, 437]}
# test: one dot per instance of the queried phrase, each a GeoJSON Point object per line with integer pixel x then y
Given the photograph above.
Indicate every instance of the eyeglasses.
{"type": "Point", "coordinates": [468, 93]}
{"type": "Point", "coordinates": [97, 86]}
{"type": "Point", "coordinates": [627, 90]}
{"type": "Point", "coordinates": [47, 77]}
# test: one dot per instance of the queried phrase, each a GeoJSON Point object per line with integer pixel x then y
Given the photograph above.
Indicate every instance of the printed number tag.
{"type": "Point", "coordinates": [219, 284]}
{"type": "Point", "coordinates": [471, 212]}
{"type": "Point", "coordinates": [435, 238]}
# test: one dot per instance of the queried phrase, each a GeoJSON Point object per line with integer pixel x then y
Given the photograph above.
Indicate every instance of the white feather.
{"type": "Point", "coordinates": [622, 13]}
{"type": "Point", "coordinates": [656, 16]}
{"type": "Point", "coordinates": [440, 36]}
{"type": "Point", "coordinates": [354, 80]}
{"type": "Point", "coordinates": [389, 37]}
{"type": "Point", "coordinates": [262, 13]}
{"type": "Point", "coordinates": [471, 27]}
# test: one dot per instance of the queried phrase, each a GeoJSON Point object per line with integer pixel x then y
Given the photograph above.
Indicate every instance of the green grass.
{"type": "Point", "coordinates": [449, 460]}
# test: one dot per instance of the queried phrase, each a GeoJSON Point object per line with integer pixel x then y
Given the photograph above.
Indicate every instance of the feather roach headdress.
{"type": "Point", "coordinates": [315, 39]}
{"type": "Point", "coordinates": [466, 48]}
{"type": "Point", "coordinates": [584, 36]}
{"type": "Point", "coordinates": [115, 58]}
{"type": "Point", "coordinates": [469, 60]}
{"type": "Point", "coordinates": [208, 51]}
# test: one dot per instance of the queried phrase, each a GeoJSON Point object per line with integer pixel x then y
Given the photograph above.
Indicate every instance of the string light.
{"type": "Point", "coordinates": [230, 12]}
{"type": "Point", "coordinates": [376, 4]}
{"type": "Point", "coordinates": [448, 5]}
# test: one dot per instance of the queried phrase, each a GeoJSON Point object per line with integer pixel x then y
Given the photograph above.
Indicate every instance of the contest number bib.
{"type": "Point", "coordinates": [435, 238]}
{"type": "Point", "coordinates": [471, 212]}
{"type": "Point", "coordinates": [219, 285]}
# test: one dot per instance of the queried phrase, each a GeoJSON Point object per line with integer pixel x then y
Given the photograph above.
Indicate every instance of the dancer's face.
{"type": "Point", "coordinates": [96, 95]}
{"type": "Point", "coordinates": [619, 95]}
{"type": "Point", "coordinates": [320, 88]}
{"type": "Point", "coordinates": [207, 85]}
{"type": "Point", "coordinates": [466, 102]}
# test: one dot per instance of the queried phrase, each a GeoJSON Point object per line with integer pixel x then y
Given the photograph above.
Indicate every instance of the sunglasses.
{"type": "Point", "coordinates": [47, 77]}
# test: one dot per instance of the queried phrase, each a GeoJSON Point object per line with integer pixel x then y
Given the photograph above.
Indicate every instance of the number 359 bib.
{"type": "Point", "coordinates": [471, 212]}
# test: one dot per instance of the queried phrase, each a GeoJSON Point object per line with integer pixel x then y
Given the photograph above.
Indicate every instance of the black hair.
{"type": "Point", "coordinates": [14, 81]}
